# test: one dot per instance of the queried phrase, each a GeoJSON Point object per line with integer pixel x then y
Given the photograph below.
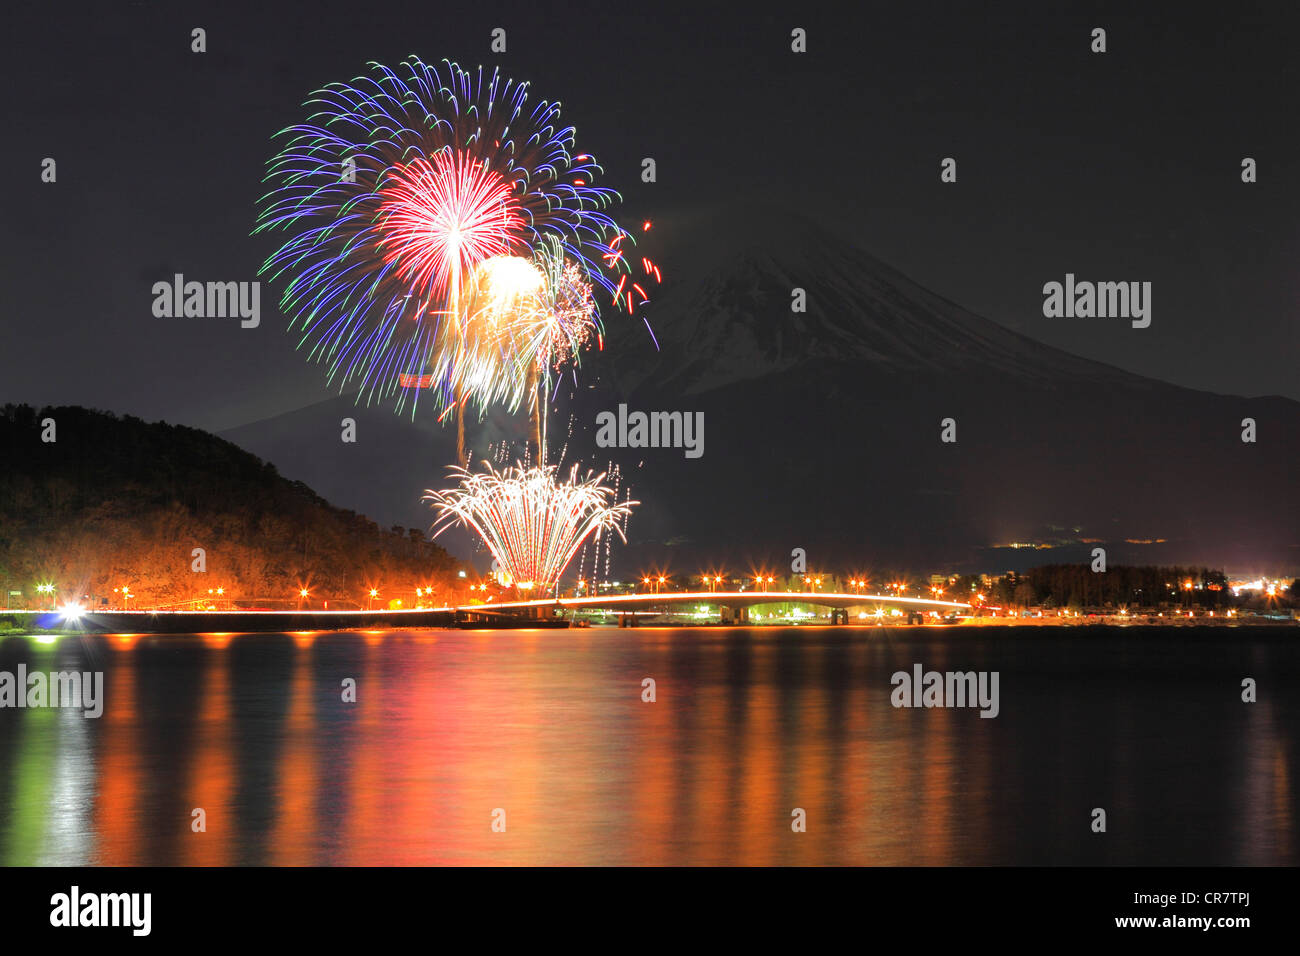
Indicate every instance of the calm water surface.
{"type": "Point", "coordinates": [749, 724]}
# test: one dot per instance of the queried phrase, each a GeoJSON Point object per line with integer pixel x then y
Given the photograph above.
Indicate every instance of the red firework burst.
{"type": "Point", "coordinates": [442, 219]}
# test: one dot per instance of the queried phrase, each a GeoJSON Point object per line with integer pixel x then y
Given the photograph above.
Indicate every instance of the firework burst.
{"type": "Point", "coordinates": [394, 190]}
{"type": "Point", "coordinates": [438, 220]}
{"type": "Point", "coordinates": [532, 523]}
{"type": "Point", "coordinates": [568, 319]}
{"type": "Point", "coordinates": [484, 352]}
{"type": "Point", "coordinates": [522, 319]}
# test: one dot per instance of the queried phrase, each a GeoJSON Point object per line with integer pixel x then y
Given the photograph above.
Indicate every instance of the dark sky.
{"type": "Point", "coordinates": [1122, 166]}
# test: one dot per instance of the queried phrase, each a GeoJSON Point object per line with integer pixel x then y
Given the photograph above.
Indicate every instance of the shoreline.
{"type": "Point", "coordinates": [197, 628]}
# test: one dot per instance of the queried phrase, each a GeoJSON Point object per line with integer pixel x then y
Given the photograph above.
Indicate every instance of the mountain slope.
{"type": "Point", "coordinates": [117, 501]}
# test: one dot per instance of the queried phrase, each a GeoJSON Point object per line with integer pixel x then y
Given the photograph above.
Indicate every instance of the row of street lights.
{"type": "Point", "coordinates": [127, 595]}
{"type": "Point", "coordinates": [657, 583]}
{"type": "Point", "coordinates": [713, 581]}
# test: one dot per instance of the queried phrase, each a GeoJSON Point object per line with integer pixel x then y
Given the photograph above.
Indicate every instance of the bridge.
{"type": "Point", "coordinates": [733, 605]}
{"type": "Point", "coordinates": [733, 609]}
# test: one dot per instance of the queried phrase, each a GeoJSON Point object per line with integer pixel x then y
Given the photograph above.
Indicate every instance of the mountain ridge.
{"type": "Point", "coordinates": [857, 306]}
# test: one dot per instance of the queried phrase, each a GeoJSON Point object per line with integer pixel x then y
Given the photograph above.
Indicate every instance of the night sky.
{"type": "Point", "coordinates": [1121, 166]}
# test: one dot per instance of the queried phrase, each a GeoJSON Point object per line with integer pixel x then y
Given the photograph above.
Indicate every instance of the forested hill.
{"type": "Point", "coordinates": [116, 501]}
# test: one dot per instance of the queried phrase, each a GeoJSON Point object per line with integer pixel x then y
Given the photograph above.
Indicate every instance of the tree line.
{"type": "Point", "coordinates": [116, 502]}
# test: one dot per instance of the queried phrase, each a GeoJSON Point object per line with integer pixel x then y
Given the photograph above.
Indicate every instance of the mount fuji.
{"type": "Point", "coordinates": [822, 428]}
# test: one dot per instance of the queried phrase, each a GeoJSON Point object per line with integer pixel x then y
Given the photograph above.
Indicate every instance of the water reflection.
{"type": "Point", "coordinates": [748, 725]}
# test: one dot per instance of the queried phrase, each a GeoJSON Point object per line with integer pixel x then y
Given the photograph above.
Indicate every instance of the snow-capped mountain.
{"type": "Point", "coordinates": [724, 312]}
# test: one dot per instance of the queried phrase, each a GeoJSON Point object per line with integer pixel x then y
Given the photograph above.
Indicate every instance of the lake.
{"type": "Point", "coordinates": [537, 747]}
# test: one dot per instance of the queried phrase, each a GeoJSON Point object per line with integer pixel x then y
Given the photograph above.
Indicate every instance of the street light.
{"type": "Point", "coordinates": [47, 589]}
